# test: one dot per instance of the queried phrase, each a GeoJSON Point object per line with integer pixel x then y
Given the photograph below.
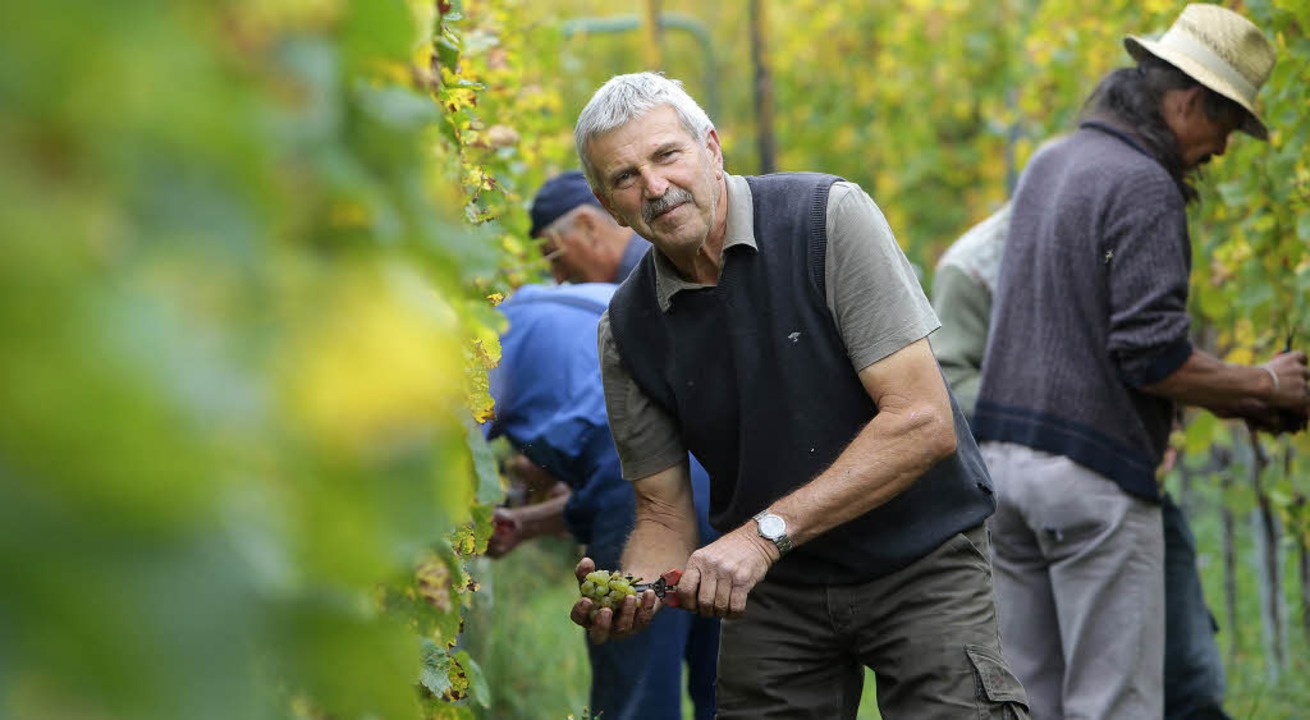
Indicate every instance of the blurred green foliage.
{"type": "Point", "coordinates": [243, 261]}
{"type": "Point", "coordinates": [234, 314]}
{"type": "Point", "coordinates": [533, 656]}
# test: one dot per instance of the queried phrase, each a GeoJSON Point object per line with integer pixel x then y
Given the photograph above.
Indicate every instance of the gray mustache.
{"type": "Point", "coordinates": [671, 199]}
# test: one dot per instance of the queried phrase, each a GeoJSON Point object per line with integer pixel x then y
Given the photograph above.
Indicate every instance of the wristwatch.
{"type": "Point", "coordinates": [774, 529]}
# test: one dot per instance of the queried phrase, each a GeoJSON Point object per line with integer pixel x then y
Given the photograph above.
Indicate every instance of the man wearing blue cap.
{"type": "Point", "coordinates": [582, 242]}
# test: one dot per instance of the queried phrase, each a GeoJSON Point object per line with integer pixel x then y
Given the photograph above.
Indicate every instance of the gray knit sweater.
{"type": "Point", "coordinates": [1091, 306]}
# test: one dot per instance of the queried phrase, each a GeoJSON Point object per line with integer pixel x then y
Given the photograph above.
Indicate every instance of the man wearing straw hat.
{"type": "Point", "coordinates": [1087, 355]}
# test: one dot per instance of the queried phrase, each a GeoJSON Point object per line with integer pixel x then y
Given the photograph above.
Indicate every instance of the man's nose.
{"type": "Point", "coordinates": [1223, 142]}
{"type": "Point", "coordinates": [653, 184]}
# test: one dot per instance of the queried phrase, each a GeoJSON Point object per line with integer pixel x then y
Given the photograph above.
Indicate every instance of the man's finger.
{"type": "Point", "coordinates": [581, 612]}
{"type": "Point", "coordinates": [584, 567]}
{"type": "Point", "coordinates": [723, 596]}
{"type": "Point", "coordinates": [646, 608]}
{"type": "Point", "coordinates": [688, 585]}
{"type": "Point", "coordinates": [709, 587]}
{"type": "Point", "coordinates": [737, 604]}
{"type": "Point", "coordinates": [599, 632]}
{"type": "Point", "coordinates": [625, 617]}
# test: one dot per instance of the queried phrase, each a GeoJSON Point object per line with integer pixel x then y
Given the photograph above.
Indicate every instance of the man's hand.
{"type": "Point", "coordinates": [1291, 391]}
{"type": "Point", "coordinates": [631, 617]}
{"type": "Point", "coordinates": [1290, 397]}
{"type": "Point", "coordinates": [537, 483]}
{"type": "Point", "coordinates": [720, 575]}
{"type": "Point", "coordinates": [663, 536]}
{"type": "Point", "coordinates": [507, 533]}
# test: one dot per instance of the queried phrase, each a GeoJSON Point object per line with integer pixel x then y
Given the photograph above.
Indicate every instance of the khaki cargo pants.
{"type": "Point", "coordinates": [928, 631]}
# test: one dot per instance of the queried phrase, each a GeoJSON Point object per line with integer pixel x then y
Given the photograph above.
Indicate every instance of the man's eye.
{"type": "Point", "coordinates": [623, 180]}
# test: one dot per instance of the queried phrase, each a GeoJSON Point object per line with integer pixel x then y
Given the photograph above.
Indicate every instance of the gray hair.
{"type": "Point", "coordinates": [624, 99]}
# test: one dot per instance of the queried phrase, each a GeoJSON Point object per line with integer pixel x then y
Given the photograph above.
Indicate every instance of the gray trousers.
{"type": "Point", "coordinates": [1080, 588]}
{"type": "Point", "coordinates": [928, 631]}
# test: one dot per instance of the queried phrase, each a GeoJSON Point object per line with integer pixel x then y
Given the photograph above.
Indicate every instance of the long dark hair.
{"type": "Point", "coordinates": [1131, 96]}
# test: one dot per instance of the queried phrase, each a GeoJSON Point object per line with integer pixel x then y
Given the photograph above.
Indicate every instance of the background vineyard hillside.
{"type": "Point", "coordinates": [248, 264]}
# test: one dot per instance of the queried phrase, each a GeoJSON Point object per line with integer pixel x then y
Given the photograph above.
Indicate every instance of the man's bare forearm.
{"type": "Point", "coordinates": [885, 458]}
{"type": "Point", "coordinates": [666, 531]}
{"type": "Point", "coordinates": [913, 430]}
{"type": "Point", "coordinates": [543, 518]}
{"type": "Point", "coordinates": [1223, 388]}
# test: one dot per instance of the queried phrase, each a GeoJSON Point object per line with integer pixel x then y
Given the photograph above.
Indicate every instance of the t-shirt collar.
{"type": "Point", "coordinates": [740, 231]}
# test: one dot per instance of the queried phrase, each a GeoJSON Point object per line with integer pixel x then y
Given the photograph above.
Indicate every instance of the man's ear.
{"type": "Point", "coordinates": [609, 209]}
{"type": "Point", "coordinates": [587, 224]}
{"type": "Point", "coordinates": [1186, 103]}
{"type": "Point", "coordinates": [715, 150]}
{"type": "Point", "coordinates": [1173, 107]}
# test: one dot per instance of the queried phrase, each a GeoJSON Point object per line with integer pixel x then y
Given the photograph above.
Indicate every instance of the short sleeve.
{"type": "Point", "coordinates": [963, 304]}
{"type": "Point", "coordinates": [645, 436]}
{"type": "Point", "coordinates": [872, 290]}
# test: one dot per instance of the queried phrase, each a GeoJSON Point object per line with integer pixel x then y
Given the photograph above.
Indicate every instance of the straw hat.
{"type": "Point", "coordinates": [1219, 49]}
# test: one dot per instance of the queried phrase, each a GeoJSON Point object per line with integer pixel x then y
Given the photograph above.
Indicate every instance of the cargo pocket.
{"type": "Point", "coordinates": [1000, 696]}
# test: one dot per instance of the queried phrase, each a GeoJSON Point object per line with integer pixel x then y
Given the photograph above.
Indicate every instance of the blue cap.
{"type": "Point", "coordinates": [557, 196]}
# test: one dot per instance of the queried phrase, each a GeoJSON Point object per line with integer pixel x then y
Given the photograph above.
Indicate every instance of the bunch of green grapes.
{"type": "Point", "coordinates": [607, 589]}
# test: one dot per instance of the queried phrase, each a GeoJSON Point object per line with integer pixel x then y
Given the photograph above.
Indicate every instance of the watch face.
{"type": "Point", "coordinates": [772, 526]}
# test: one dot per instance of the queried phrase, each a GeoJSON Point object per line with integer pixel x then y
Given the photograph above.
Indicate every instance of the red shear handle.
{"type": "Point", "coordinates": [671, 579]}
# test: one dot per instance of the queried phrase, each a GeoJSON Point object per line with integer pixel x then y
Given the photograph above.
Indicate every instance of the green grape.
{"type": "Point", "coordinates": [607, 589]}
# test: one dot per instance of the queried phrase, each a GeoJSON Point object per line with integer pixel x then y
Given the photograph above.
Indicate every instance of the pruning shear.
{"type": "Point", "coordinates": [665, 587]}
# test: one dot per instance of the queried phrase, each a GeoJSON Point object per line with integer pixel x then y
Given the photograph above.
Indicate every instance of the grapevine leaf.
{"type": "Point", "coordinates": [489, 490]}
{"type": "Point", "coordinates": [447, 51]}
{"type": "Point", "coordinates": [436, 669]}
{"type": "Point", "coordinates": [479, 691]}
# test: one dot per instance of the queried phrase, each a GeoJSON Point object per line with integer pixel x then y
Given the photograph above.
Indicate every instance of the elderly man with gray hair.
{"type": "Point", "coordinates": [1087, 355]}
{"type": "Point", "coordinates": [778, 333]}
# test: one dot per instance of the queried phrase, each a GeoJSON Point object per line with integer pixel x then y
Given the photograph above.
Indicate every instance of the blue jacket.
{"type": "Point", "coordinates": [551, 406]}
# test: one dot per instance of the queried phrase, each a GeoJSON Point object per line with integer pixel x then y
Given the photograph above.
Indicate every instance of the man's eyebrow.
{"type": "Point", "coordinates": [663, 147]}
